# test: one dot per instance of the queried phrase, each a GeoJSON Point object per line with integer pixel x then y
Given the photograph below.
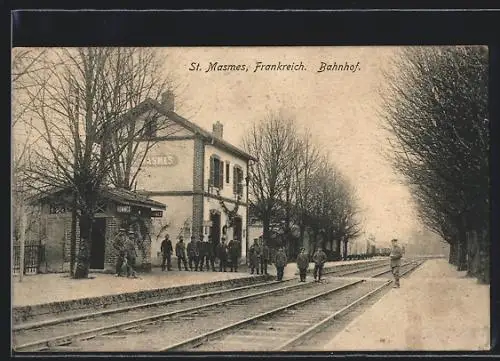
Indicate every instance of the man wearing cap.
{"type": "Point", "coordinates": [396, 255]}
{"type": "Point", "coordinates": [280, 262]}
{"type": "Point", "coordinates": [254, 252]}
{"type": "Point", "coordinates": [222, 254]}
{"type": "Point", "coordinates": [302, 264]}
{"type": "Point", "coordinates": [119, 246]}
{"type": "Point", "coordinates": [264, 256]}
{"type": "Point", "coordinates": [166, 250]}
{"type": "Point", "coordinates": [131, 254]}
{"type": "Point", "coordinates": [180, 253]}
{"type": "Point", "coordinates": [319, 259]}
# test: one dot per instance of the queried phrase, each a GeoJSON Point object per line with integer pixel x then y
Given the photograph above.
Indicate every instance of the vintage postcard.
{"type": "Point", "coordinates": [236, 199]}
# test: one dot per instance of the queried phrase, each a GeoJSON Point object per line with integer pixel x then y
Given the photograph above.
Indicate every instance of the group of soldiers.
{"type": "Point", "coordinates": [201, 253]}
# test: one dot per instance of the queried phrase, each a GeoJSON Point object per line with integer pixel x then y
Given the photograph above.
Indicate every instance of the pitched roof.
{"type": "Point", "coordinates": [151, 103]}
{"type": "Point", "coordinates": [119, 195]}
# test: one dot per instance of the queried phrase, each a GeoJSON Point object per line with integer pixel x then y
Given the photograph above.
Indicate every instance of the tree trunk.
{"type": "Point", "coordinates": [83, 258]}
{"type": "Point", "coordinates": [484, 257]}
{"type": "Point", "coordinates": [472, 254]}
{"type": "Point", "coordinates": [344, 256]}
{"type": "Point", "coordinates": [452, 259]}
{"type": "Point", "coordinates": [462, 252]}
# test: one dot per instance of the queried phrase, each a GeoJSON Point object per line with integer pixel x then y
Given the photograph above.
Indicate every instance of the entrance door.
{"type": "Point", "coordinates": [98, 243]}
{"type": "Point", "coordinates": [237, 228]}
{"type": "Point", "coordinates": [215, 229]}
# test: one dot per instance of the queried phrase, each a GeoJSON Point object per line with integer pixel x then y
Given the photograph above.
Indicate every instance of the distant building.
{"type": "Point", "coordinates": [199, 175]}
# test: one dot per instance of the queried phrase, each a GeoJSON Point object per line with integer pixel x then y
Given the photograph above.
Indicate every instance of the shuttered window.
{"type": "Point", "coordinates": [216, 172]}
{"type": "Point", "coordinates": [237, 180]}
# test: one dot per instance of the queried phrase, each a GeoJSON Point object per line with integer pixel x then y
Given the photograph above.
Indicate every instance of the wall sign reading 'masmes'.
{"type": "Point", "coordinates": [168, 160]}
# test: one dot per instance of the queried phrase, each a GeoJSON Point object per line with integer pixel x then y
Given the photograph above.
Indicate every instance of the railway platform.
{"type": "Point", "coordinates": [436, 309]}
{"type": "Point", "coordinates": [45, 294]}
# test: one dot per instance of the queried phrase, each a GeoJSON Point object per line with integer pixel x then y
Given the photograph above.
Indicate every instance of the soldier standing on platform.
{"type": "Point", "coordinates": [264, 256]}
{"type": "Point", "coordinates": [319, 259]}
{"type": "Point", "coordinates": [131, 254]}
{"type": "Point", "coordinates": [203, 249]}
{"type": "Point", "coordinates": [222, 254]}
{"type": "Point", "coordinates": [303, 264]}
{"type": "Point", "coordinates": [254, 256]}
{"type": "Point", "coordinates": [190, 253]}
{"type": "Point", "coordinates": [234, 253]}
{"type": "Point", "coordinates": [280, 262]}
{"type": "Point", "coordinates": [196, 248]}
{"type": "Point", "coordinates": [166, 251]}
{"type": "Point", "coordinates": [211, 253]}
{"type": "Point", "coordinates": [180, 253]}
{"type": "Point", "coordinates": [119, 245]}
{"type": "Point", "coordinates": [396, 255]}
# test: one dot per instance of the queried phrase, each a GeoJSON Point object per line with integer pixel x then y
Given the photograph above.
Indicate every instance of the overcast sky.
{"type": "Point", "coordinates": [340, 108]}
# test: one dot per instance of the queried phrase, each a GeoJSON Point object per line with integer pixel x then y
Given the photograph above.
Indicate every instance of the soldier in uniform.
{"type": "Point", "coordinates": [222, 254]}
{"type": "Point", "coordinates": [203, 249]}
{"type": "Point", "coordinates": [254, 256]}
{"type": "Point", "coordinates": [303, 264]}
{"type": "Point", "coordinates": [234, 252]}
{"type": "Point", "coordinates": [211, 253]}
{"type": "Point", "coordinates": [319, 259]}
{"type": "Point", "coordinates": [131, 254]}
{"type": "Point", "coordinates": [119, 245]}
{"type": "Point", "coordinates": [180, 253]}
{"type": "Point", "coordinates": [280, 262]}
{"type": "Point", "coordinates": [166, 250]}
{"type": "Point", "coordinates": [190, 253]}
{"type": "Point", "coordinates": [264, 256]}
{"type": "Point", "coordinates": [396, 255]}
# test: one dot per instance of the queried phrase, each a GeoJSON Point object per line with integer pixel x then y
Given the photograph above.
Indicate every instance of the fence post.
{"type": "Point", "coordinates": [22, 242]}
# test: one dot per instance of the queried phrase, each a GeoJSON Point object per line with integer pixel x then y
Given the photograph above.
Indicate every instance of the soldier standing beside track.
{"type": "Point", "coordinates": [180, 253]}
{"type": "Point", "coordinates": [203, 249]}
{"type": "Point", "coordinates": [303, 264]}
{"type": "Point", "coordinates": [222, 254]}
{"type": "Point", "coordinates": [166, 250]}
{"type": "Point", "coordinates": [319, 259]}
{"type": "Point", "coordinates": [119, 245]}
{"type": "Point", "coordinates": [264, 256]}
{"type": "Point", "coordinates": [131, 254]}
{"type": "Point", "coordinates": [280, 263]}
{"type": "Point", "coordinates": [211, 253]}
{"type": "Point", "coordinates": [254, 256]}
{"type": "Point", "coordinates": [396, 255]}
{"type": "Point", "coordinates": [190, 253]}
{"type": "Point", "coordinates": [196, 248]}
{"type": "Point", "coordinates": [234, 252]}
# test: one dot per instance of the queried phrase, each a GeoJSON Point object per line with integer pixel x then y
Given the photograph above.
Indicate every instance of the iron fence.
{"type": "Point", "coordinates": [33, 257]}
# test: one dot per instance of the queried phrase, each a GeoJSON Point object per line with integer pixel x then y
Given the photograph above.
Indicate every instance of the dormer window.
{"type": "Point", "coordinates": [150, 127]}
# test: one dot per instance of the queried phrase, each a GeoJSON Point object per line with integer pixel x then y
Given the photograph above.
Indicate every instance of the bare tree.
{"type": "Point", "coordinates": [273, 142]}
{"type": "Point", "coordinates": [80, 102]}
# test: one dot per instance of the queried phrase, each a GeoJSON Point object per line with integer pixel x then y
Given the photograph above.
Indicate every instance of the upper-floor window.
{"type": "Point", "coordinates": [227, 172]}
{"type": "Point", "coordinates": [237, 180]}
{"type": "Point", "coordinates": [216, 172]}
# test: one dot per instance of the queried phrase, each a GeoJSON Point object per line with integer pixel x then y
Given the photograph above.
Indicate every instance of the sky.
{"type": "Point", "coordinates": [340, 108]}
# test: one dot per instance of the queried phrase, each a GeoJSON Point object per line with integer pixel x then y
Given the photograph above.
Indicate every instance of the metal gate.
{"type": "Point", "coordinates": [33, 257]}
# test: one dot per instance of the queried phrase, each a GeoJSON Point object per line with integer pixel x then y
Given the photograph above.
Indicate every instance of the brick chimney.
{"type": "Point", "coordinates": [168, 100]}
{"type": "Point", "coordinates": [217, 129]}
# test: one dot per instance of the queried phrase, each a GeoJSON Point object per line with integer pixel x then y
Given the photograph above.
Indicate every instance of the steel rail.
{"type": "Point", "coordinates": [327, 320]}
{"type": "Point", "coordinates": [82, 335]}
{"type": "Point", "coordinates": [206, 336]}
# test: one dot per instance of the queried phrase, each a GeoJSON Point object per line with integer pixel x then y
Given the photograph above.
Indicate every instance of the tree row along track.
{"type": "Point", "coordinates": [285, 327]}
{"type": "Point", "coordinates": [51, 335]}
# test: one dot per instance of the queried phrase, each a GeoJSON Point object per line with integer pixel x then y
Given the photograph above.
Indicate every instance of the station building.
{"type": "Point", "coordinates": [117, 208]}
{"type": "Point", "coordinates": [201, 177]}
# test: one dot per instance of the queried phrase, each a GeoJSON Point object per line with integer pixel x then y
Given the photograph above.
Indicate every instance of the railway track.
{"type": "Point", "coordinates": [114, 327]}
{"type": "Point", "coordinates": [284, 327]}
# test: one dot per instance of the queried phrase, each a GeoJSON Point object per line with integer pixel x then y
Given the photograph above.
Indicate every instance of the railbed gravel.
{"type": "Point", "coordinates": [165, 332]}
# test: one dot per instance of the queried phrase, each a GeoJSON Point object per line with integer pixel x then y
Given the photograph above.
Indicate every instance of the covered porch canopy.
{"type": "Point", "coordinates": [123, 201]}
